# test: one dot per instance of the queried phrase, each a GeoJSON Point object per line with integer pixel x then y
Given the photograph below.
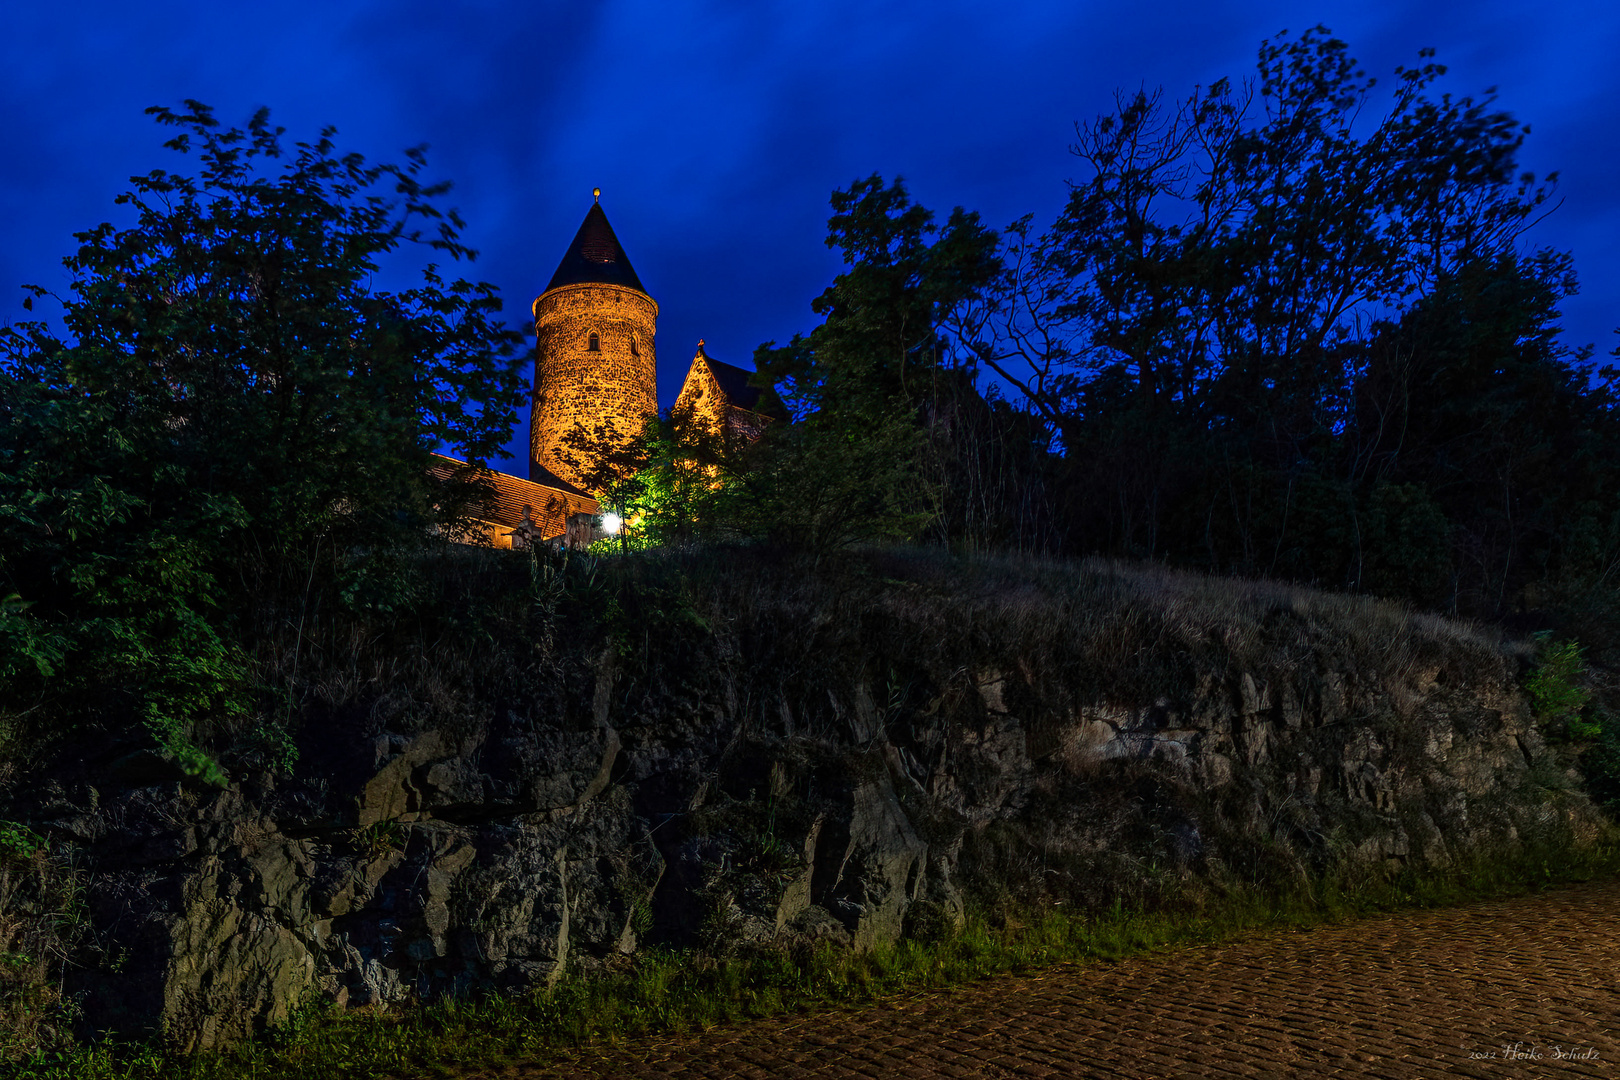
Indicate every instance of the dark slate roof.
{"type": "Point", "coordinates": [539, 474]}
{"type": "Point", "coordinates": [595, 257]}
{"type": "Point", "coordinates": [733, 381]}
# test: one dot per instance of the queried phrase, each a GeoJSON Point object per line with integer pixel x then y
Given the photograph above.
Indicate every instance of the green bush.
{"type": "Point", "coordinates": [1558, 689]}
{"type": "Point", "coordinates": [229, 438]}
{"type": "Point", "coordinates": [19, 841]}
{"type": "Point", "coordinates": [1600, 763]}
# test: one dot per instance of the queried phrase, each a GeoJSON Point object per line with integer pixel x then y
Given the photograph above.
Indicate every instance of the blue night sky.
{"type": "Point", "coordinates": [717, 130]}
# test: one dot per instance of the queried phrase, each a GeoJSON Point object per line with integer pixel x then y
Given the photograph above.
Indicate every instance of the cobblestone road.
{"type": "Point", "coordinates": [1523, 987]}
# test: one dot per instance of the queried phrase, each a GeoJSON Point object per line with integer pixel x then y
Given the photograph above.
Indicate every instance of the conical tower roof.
{"type": "Point", "coordinates": [595, 257]}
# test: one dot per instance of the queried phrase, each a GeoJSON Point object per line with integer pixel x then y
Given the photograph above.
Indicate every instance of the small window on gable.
{"type": "Point", "coordinates": [594, 343]}
{"type": "Point", "coordinates": [635, 346]}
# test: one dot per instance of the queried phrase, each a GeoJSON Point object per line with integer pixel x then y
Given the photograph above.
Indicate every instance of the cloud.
{"type": "Point", "coordinates": [718, 129]}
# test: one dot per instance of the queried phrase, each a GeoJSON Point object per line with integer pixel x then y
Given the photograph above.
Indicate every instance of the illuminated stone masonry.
{"type": "Point", "coordinates": [717, 396]}
{"type": "Point", "coordinates": [596, 371]}
{"type": "Point", "coordinates": [595, 366]}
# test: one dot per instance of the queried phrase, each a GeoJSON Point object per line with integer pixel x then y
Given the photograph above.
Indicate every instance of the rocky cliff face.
{"type": "Point", "coordinates": [807, 762]}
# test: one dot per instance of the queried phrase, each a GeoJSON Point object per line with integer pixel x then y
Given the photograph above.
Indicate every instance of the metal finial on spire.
{"type": "Point", "coordinates": [597, 192]}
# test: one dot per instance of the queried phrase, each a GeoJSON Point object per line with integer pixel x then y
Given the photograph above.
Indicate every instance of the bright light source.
{"type": "Point", "coordinates": [611, 523]}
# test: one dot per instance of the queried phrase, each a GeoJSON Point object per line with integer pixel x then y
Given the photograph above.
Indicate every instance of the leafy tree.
{"type": "Point", "coordinates": [873, 388]}
{"type": "Point", "coordinates": [800, 488]}
{"type": "Point", "coordinates": [669, 483]}
{"type": "Point", "coordinates": [1472, 398]}
{"type": "Point", "coordinates": [880, 338]}
{"type": "Point", "coordinates": [1557, 685]}
{"type": "Point", "coordinates": [1275, 332]}
{"type": "Point", "coordinates": [611, 466]}
{"type": "Point", "coordinates": [233, 426]}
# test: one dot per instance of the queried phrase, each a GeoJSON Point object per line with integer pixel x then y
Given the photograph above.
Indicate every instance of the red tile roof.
{"type": "Point", "coordinates": [510, 496]}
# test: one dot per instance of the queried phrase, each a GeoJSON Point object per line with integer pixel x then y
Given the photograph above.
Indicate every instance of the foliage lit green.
{"type": "Point", "coordinates": [1557, 686]}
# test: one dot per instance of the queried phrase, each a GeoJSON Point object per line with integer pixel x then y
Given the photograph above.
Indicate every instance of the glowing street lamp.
{"type": "Point", "coordinates": [612, 523]}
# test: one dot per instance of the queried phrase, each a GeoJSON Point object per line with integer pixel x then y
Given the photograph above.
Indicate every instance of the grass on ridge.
{"type": "Point", "coordinates": [685, 992]}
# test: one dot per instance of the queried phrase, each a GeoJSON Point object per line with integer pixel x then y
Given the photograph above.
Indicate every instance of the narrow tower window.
{"type": "Point", "coordinates": [594, 344]}
{"type": "Point", "coordinates": [635, 346]}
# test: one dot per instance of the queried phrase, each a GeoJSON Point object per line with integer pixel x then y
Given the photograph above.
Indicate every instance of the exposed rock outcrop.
{"type": "Point", "coordinates": [871, 793]}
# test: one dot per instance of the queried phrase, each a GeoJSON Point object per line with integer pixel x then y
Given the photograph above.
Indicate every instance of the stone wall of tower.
{"type": "Point", "coordinates": [615, 386]}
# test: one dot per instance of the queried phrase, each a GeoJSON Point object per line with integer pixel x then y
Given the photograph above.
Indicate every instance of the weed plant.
{"type": "Point", "coordinates": [41, 922]}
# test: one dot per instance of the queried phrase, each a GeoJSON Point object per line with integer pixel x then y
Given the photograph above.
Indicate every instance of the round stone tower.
{"type": "Point", "coordinates": [594, 365]}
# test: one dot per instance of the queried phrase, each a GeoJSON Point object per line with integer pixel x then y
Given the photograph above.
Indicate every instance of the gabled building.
{"type": "Point", "coordinates": [717, 395]}
{"type": "Point", "coordinates": [520, 513]}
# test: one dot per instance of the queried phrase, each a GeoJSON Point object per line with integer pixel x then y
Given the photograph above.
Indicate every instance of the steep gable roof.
{"type": "Point", "coordinates": [595, 257]}
{"type": "Point", "coordinates": [733, 381]}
